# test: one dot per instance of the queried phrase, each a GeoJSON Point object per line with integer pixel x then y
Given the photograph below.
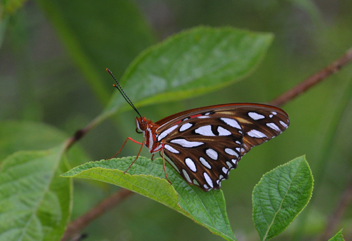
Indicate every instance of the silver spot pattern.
{"type": "Point", "coordinates": [166, 132]}
{"type": "Point", "coordinates": [204, 162]}
{"type": "Point", "coordinates": [185, 127]}
{"type": "Point", "coordinates": [212, 154]}
{"type": "Point", "coordinates": [185, 143]}
{"type": "Point", "coordinates": [223, 132]}
{"type": "Point", "coordinates": [171, 149]}
{"type": "Point", "coordinates": [191, 165]}
{"type": "Point", "coordinates": [273, 126]}
{"type": "Point", "coordinates": [185, 173]}
{"type": "Point", "coordinates": [204, 131]}
{"type": "Point", "coordinates": [256, 134]}
{"type": "Point", "coordinates": [231, 122]}
{"type": "Point", "coordinates": [255, 116]}
{"type": "Point", "coordinates": [208, 179]}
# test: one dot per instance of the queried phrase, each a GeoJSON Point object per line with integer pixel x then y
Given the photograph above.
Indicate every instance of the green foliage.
{"type": "Point", "coordinates": [190, 63]}
{"type": "Point", "coordinates": [147, 178]}
{"type": "Point", "coordinates": [35, 203]}
{"type": "Point", "coordinates": [24, 135]}
{"type": "Point", "coordinates": [338, 237]}
{"type": "Point", "coordinates": [277, 200]}
{"type": "Point", "coordinates": [39, 81]}
{"type": "Point", "coordinates": [119, 35]}
{"type": "Point", "coordinates": [280, 196]}
{"type": "Point", "coordinates": [8, 7]}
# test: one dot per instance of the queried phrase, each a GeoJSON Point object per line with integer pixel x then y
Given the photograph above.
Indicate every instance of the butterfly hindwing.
{"type": "Point", "coordinates": [204, 153]}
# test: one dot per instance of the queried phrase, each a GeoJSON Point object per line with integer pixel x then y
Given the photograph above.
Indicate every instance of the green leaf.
{"type": "Point", "coordinates": [147, 178]}
{"type": "Point", "coordinates": [280, 196]}
{"type": "Point", "coordinates": [190, 63]}
{"type": "Point", "coordinates": [338, 237]}
{"type": "Point", "coordinates": [35, 202]}
{"type": "Point", "coordinates": [25, 135]}
{"type": "Point", "coordinates": [100, 34]}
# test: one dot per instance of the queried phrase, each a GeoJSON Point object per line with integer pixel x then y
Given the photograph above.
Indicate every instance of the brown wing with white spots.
{"type": "Point", "coordinates": [204, 144]}
{"type": "Point", "coordinates": [260, 126]}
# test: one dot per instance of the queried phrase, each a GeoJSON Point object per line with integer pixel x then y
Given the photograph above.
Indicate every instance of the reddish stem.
{"type": "Point", "coordinates": [80, 223]}
{"type": "Point", "coordinates": [313, 80]}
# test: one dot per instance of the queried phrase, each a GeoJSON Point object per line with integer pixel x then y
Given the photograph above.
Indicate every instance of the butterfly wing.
{"type": "Point", "coordinates": [204, 144]}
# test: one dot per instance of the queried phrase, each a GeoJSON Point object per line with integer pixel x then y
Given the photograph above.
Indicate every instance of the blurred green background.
{"type": "Point", "coordinates": [52, 70]}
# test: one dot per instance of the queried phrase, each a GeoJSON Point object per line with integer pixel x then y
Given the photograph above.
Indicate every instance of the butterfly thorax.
{"type": "Point", "coordinates": [148, 128]}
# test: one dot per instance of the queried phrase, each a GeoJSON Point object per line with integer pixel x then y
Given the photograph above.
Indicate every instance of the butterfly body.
{"type": "Point", "coordinates": [204, 144]}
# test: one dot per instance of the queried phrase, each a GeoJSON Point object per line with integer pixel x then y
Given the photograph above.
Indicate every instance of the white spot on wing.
{"type": "Point", "coordinates": [229, 164]}
{"type": "Point", "coordinates": [208, 179]}
{"type": "Point", "coordinates": [195, 182]}
{"type": "Point", "coordinates": [223, 132]}
{"type": "Point", "coordinates": [185, 173]}
{"type": "Point", "coordinates": [191, 165]}
{"type": "Point", "coordinates": [204, 162]}
{"type": "Point", "coordinates": [204, 130]}
{"type": "Point", "coordinates": [224, 170]}
{"type": "Point", "coordinates": [231, 122]}
{"type": "Point", "coordinates": [171, 149]}
{"type": "Point", "coordinates": [203, 116]}
{"type": "Point", "coordinates": [185, 143]}
{"type": "Point", "coordinates": [274, 113]}
{"type": "Point", "coordinates": [283, 124]}
{"type": "Point", "coordinates": [234, 161]}
{"type": "Point", "coordinates": [231, 152]}
{"type": "Point", "coordinates": [256, 134]}
{"type": "Point", "coordinates": [166, 132]}
{"type": "Point", "coordinates": [255, 116]}
{"type": "Point", "coordinates": [273, 126]}
{"type": "Point", "coordinates": [185, 127]}
{"type": "Point", "coordinates": [212, 154]}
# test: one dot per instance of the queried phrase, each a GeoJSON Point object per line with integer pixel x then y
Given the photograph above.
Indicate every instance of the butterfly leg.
{"type": "Point", "coordinates": [128, 138]}
{"type": "Point", "coordinates": [136, 156]}
{"type": "Point", "coordinates": [164, 165]}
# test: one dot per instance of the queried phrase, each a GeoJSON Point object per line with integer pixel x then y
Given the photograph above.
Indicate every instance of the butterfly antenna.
{"type": "Point", "coordinates": [118, 86]}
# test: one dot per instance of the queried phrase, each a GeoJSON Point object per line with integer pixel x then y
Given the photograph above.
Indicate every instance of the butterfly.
{"type": "Point", "coordinates": [204, 144]}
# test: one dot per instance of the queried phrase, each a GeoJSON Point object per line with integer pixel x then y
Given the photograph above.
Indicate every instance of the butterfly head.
{"type": "Point", "coordinates": [142, 125]}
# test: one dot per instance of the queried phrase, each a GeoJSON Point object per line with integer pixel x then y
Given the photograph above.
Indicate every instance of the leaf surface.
{"type": "Point", "coordinates": [280, 196]}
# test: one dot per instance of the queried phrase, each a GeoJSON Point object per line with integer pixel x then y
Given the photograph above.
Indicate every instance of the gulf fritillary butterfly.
{"type": "Point", "coordinates": [204, 144]}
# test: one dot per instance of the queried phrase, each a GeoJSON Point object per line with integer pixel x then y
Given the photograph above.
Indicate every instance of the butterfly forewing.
{"type": "Point", "coordinates": [204, 144]}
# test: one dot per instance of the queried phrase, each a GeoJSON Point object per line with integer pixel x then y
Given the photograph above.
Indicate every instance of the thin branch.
{"type": "Point", "coordinates": [338, 213]}
{"type": "Point", "coordinates": [80, 223]}
{"type": "Point", "coordinates": [313, 80]}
